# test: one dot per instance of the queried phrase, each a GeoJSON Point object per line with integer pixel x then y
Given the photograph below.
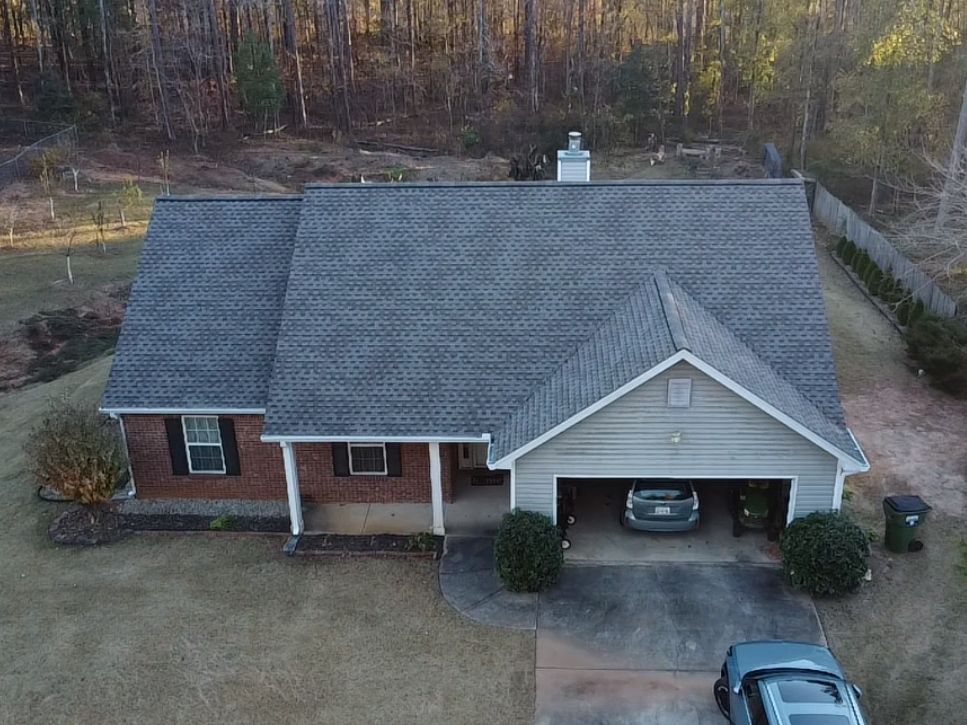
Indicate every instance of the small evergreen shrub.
{"type": "Point", "coordinates": [849, 251]}
{"type": "Point", "coordinates": [841, 247]}
{"type": "Point", "coordinates": [903, 311]}
{"type": "Point", "coordinates": [874, 279]}
{"type": "Point", "coordinates": [528, 551]}
{"type": "Point", "coordinates": [221, 523]}
{"type": "Point", "coordinates": [824, 554]}
{"type": "Point", "coordinates": [940, 346]}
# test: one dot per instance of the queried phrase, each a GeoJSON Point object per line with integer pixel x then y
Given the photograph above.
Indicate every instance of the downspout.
{"type": "Point", "coordinates": [127, 454]}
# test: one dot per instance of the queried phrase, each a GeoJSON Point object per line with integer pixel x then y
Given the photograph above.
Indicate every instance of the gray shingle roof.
{"type": "Point", "coordinates": [471, 308]}
{"type": "Point", "coordinates": [204, 311]}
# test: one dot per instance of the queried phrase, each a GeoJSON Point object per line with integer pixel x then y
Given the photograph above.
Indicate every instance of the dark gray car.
{"type": "Point", "coordinates": [661, 504]}
{"type": "Point", "coordinates": [785, 683]}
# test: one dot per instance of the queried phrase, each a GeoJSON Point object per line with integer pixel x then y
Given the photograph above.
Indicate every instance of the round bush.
{"type": "Point", "coordinates": [824, 554]}
{"type": "Point", "coordinates": [849, 251]}
{"type": "Point", "coordinates": [528, 551]}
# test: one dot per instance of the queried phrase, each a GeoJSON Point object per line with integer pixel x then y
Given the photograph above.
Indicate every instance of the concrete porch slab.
{"type": "Point", "coordinates": [368, 518]}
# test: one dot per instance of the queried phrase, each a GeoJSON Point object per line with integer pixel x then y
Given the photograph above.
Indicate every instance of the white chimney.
{"type": "Point", "coordinates": [574, 164]}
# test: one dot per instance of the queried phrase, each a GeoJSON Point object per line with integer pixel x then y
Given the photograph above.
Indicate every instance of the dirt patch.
{"type": "Point", "coordinates": [54, 342]}
{"type": "Point", "coordinates": [903, 637]}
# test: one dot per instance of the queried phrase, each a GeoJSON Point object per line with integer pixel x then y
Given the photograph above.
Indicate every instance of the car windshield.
{"type": "Point", "coordinates": [662, 491]}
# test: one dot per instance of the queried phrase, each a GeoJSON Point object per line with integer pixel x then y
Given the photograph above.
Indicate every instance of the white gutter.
{"type": "Point", "coordinates": [484, 438]}
{"type": "Point", "coordinates": [182, 411]}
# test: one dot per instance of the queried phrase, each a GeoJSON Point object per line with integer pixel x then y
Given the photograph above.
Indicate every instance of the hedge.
{"type": "Point", "coordinates": [824, 554]}
{"type": "Point", "coordinates": [527, 551]}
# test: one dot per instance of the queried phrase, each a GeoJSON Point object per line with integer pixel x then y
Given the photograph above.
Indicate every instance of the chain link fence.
{"type": "Point", "coordinates": [52, 135]}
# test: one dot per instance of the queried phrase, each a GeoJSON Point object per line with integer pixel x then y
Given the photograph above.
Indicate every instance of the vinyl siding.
{"type": "Point", "coordinates": [721, 435]}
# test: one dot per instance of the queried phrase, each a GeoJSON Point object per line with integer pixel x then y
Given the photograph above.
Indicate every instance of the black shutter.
{"type": "Point", "coordinates": [176, 446]}
{"type": "Point", "coordinates": [394, 465]}
{"type": "Point", "coordinates": [226, 429]}
{"type": "Point", "coordinates": [340, 459]}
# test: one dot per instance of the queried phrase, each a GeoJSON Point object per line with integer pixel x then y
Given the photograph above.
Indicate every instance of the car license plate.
{"type": "Point", "coordinates": [663, 510]}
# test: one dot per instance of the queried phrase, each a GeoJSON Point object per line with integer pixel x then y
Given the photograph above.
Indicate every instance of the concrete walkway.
{"type": "Point", "coordinates": [469, 583]}
{"type": "Point", "coordinates": [631, 644]}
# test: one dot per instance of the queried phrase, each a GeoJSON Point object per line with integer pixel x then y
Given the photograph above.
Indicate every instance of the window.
{"type": "Point", "coordinates": [679, 392]}
{"type": "Point", "coordinates": [367, 459]}
{"type": "Point", "coordinates": [204, 444]}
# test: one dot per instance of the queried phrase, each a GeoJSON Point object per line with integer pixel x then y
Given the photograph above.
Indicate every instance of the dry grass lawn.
{"type": "Point", "coordinates": [904, 636]}
{"type": "Point", "coordinates": [223, 628]}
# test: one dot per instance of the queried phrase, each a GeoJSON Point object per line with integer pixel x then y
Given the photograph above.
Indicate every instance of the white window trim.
{"type": "Point", "coordinates": [685, 383]}
{"type": "Point", "coordinates": [384, 472]}
{"type": "Point", "coordinates": [221, 446]}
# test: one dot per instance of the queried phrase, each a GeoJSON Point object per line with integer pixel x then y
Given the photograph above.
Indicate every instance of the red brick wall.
{"type": "Point", "coordinates": [263, 474]}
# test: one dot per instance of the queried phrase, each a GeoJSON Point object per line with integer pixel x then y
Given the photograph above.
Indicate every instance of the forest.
{"type": "Point", "coordinates": [869, 86]}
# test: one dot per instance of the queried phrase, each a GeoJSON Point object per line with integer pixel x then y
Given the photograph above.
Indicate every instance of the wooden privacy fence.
{"type": "Point", "coordinates": [842, 221]}
{"type": "Point", "coordinates": [16, 168]}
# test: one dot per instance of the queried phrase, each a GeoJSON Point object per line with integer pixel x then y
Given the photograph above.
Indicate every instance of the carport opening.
{"type": "Point", "coordinates": [733, 519]}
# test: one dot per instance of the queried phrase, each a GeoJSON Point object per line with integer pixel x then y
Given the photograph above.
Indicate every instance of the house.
{"type": "Point", "coordinates": [368, 343]}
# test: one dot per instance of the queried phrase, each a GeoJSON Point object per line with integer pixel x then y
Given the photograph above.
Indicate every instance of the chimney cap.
{"type": "Point", "coordinates": [574, 141]}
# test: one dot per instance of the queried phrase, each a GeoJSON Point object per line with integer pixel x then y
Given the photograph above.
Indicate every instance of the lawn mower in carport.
{"type": "Point", "coordinates": [754, 505]}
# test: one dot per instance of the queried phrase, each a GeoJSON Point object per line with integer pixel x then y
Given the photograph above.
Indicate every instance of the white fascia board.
{"type": "Point", "coordinates": [590, 410]}
{"type": "Point", "coordinates": [183, 411]}
{"type": "Point", "coordinates": [866, 461]}
{"type": "Point", "coordinates": [771, 410]}
{"type": "Point", "coordinates": [691, 359]}
{"type": "Point", "coordinates": [374, 439]}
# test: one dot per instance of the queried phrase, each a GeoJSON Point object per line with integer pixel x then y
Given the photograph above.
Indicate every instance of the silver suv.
{"type": "Point", "coordinates": [785, 683]}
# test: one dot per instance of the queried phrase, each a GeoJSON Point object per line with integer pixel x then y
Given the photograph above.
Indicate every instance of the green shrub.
{"type": "Point", "coordinates": [824, 554]}
{"type": "Point", "coordinates": [841, 247]}
{"type": "Point", "coordinates": [221, 523]}
{"type": "Point", "coordinates": [849, 251]}
{"type": "Point", "coordinates": [528, 551]}
{"type": "Point", "coordinates": [940, 346]}
{"type": "Point", "coordinates": [917, 311]}
{"type": "Point", "coordinates": [423, 541]}
{"type": "Point", "coordinates": [874, 278]}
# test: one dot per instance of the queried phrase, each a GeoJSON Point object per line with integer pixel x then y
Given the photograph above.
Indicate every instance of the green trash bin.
{"type": "Point", "coordinates": [904, 517]}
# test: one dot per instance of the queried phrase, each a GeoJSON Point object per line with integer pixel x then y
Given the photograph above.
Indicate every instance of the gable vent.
{"type": "Point", "coordinates": [679, 392]}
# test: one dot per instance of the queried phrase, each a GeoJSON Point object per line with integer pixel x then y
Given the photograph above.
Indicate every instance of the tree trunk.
{"type": "Point", "coordinates": [531, 62]}
{"type": "Point", "coordinates": [954, 170]}
{"type": "Point", "coordinates": [106, 62]}
{"type": "Point", "coordinates": [157, 61]}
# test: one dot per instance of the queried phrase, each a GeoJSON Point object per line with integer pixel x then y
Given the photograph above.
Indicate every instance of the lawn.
{"type": "Point", "coordinates": [35, 281]}
{"type": "Point", "coordinates": [904, 636]}
{"type": "Point", "coordinates": [223, 628]}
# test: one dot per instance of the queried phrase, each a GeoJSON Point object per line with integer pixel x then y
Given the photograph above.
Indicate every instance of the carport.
{"type": "Point", "coordinates": [598, 536]}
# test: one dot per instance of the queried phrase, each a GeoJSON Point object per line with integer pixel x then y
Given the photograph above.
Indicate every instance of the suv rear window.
{"type": "Point", "coordinates": [662, 491]}
{"type": "Point", "coordinates": [809, 691]}
{"type": "Point", "coordinates": [819, 720]}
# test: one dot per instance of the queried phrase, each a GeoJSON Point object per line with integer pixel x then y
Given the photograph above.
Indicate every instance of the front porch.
{"type": "Point", "coordinates": [465, 499]}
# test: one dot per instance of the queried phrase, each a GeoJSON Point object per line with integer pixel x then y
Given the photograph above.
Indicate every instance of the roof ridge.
{"type": "Point", "coordinates": [287, 196]}
{"type": "Point", "coordinates": [673, 317]}
{"type": "Point", "coordinates": [399, 186]}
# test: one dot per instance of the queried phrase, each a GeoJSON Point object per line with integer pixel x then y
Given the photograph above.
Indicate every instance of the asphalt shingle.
{"type": "Point", "coordinates": [202, 320]}
{"type": "Point", "coordinates": [470, 308]}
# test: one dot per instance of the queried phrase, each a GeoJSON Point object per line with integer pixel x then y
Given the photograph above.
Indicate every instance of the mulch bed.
{"type": "Point", "coordinates": [369, 544]}
{"type": "Point", "coordinates": [198, 522]}
{"type": "Point", "coordinates": [76, 527]}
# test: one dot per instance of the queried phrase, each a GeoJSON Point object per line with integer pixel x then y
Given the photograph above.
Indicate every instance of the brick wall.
{"type": "Point", "coordinates": [263, 474]}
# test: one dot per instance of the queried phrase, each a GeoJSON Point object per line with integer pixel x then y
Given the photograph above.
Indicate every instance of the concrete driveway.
{"type": "Point", "coordinates": [644, 643]}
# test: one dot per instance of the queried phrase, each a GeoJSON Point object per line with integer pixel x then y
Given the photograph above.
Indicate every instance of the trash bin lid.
{"type": "Point", "coordinates": [907, 504]}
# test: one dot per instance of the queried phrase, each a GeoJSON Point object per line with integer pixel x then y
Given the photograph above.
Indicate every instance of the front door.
{"type": "Point", "coordinates": [479, 455]}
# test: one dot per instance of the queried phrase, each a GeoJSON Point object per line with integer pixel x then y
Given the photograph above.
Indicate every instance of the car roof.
{"type": "Point", "coordinates": [810, 699]}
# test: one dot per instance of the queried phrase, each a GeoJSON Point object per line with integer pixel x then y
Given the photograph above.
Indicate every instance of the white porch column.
{"type": "Point", "coordinates": [436, 488]}
{"type": "Point", "coordinates": [292, 488]}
